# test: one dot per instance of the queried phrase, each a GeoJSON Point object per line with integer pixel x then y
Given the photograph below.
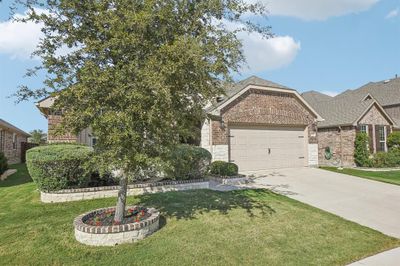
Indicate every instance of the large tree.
{"type": "Point", "coordinates": [139, 73]}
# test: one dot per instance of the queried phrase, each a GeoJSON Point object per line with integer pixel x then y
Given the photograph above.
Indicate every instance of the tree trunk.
{"type": "Point", "coordinates": [120, 209]}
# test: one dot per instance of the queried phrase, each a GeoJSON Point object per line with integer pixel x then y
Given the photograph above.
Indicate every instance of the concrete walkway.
{"type": "Point", "coordinates": [366, 202]}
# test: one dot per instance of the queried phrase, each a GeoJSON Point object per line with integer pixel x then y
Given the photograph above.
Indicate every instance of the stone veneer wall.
{"type": "Point", "coordinates": [13, 155]}
{"type": "Point", "coordinates": [342, 150]}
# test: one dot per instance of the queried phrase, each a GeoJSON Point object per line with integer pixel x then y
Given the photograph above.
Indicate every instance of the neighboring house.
{"type": "Point", "coordinates": [373, 109]}
{"type": "Point", "coordinates": [11, 139]}
{"type": "Point", "coordinates": [261, 125]}
{"type": "Point", "coordinates": [54, 118]}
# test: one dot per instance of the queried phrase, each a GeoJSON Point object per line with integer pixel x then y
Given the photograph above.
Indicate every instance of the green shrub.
{"type": "Point", "coordinates": [361, 150]}
{"type": "Point", "coordinates": [393, 140]}
{"type": "Point", "coordinates": [55, 167]}
{"type": "Point", "coordinates": [3, 163]}
{"type": "Point", "coordinates": [221, 168]}
{"type": "Point", "coordinates": [387, 159]}
{"type": "Point", "coordinates": [188, 162]}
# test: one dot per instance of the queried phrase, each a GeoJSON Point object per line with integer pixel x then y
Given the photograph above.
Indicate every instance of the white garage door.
{"type": "Point", "coordinates": [254, 149]}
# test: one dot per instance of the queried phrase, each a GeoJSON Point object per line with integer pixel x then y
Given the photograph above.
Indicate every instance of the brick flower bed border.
{"type": "Point", "coordinates": [116, 234]}
{"type": "Point", "coordinates": [67, 195]}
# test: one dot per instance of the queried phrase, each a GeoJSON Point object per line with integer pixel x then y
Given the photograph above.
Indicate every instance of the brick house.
{"type": "Point", "coordinates": [374, 109]}
{"type": "Point", "coordinates": [261, 125]}
{"type": "Point", "coordinates": [11, 139]}
{"type": "Point", "coordinates": [54, 118]}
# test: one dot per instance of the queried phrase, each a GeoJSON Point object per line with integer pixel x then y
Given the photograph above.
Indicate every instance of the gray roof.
{"type": "Point", "coordinates": [7, 125]}
{"type": "Point", "coordinates": [313, 97]}
{"type": "Point", "coordinates": [385, 92]}
{"type": "Point", "coordinates": [347, 107]}
{"type": "Point", "coordinates": [232, 89]}
{"type": "Point", "coordinates": [340, 112]}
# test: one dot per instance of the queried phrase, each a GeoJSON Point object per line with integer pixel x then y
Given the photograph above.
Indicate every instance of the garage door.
{"type": "Point", "coordinates": [254, 149]}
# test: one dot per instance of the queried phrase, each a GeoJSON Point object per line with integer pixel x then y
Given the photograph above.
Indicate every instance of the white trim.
{"type": "Point", "coordinates": [217, 111]}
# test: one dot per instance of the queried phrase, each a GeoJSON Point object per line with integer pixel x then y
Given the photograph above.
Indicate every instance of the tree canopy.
{"type": "Point", "coordinates": [139, 73]}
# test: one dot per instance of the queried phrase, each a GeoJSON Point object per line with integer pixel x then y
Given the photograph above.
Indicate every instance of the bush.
{"type": "Point", "coordinates": [221, 168]}
{"type": "Point", "coordinates": [387, 159]}
{"type": "Point", "coordinates": [361, 150]}
{"type": "Point", "coordinates": [393, 140]}
{"type": "Point", "coordinates": [55, 167]}
{"type": "Point", "coordinates": [3, 163]}
{"type": "Point", "coordinates": [188, 162]}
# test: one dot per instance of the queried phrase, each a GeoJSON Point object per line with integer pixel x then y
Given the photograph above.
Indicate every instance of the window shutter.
{"type": "Point", "coordinates": [371, 141]}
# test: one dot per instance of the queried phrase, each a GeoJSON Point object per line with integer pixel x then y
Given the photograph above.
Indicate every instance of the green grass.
{"type": "Point", "coordinates": [203, 227]}
{"type": "Point", "coordinates": [391, 177]}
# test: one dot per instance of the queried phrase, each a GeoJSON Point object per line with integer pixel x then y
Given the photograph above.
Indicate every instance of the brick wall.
{"type": "Point", "coordinates": [374, 117]}
{"type": "Point", "coordinates": [263, 108]}
{"type": "Point", "coordinates": [13, 155]}
{"type": "Point", "coordinates": [53, 121]}
{"type": "Point", "coordinates": [341, 144]}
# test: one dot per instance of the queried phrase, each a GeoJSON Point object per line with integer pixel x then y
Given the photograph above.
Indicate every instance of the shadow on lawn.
{"type": "Point", "coordinates": [19, 178]}
{"type": "Point", "coordinates": [186, 204]}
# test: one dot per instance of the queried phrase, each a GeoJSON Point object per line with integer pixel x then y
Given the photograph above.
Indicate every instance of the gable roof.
{"type": "Point", "coordinates": [386, 92]}
{"type": "Point", "coordinates": [7, 125]}
{"type": "Point", "coordinates": [232, 91]}
{"type": "Point", "coordinates": [313, 97]}
{"type": "Point", "coordinates": [344, 111]}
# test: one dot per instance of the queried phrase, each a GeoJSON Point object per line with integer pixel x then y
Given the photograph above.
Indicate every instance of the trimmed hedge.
{"type": "Point", "coordinates": [386, 159]}
{"type": "Point", "coordinates": [393, 140]}
{"type": "Point", "coordinates": [188, 162]}
{"type": "Point", "coordinates": [3, 163]}
{"type": "Point", "coordinates": [221, 168]}
{"type": "Point", "coordinates": [55, 167]}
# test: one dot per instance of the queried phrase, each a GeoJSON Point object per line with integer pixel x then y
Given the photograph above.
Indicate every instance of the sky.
{"type": "Point", "coordinates": [323, 45]}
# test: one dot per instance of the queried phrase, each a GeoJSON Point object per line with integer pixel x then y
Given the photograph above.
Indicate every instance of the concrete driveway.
{"type": "Point", "coordinates": [366, 202]}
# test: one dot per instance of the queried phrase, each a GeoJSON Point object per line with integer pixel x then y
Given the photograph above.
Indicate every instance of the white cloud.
{"type": "Point", "coordinates": [315, 9]}
{"type": "Point", "coordinates": [265, 54]}
{"type": "Point", "coordinates": [19, 39]}
{"type": "Point", "coordinates": [393, 13]}
{"type": "Point", "coordinates": [330, 93]}
{"type": "Point", "coordinates": [268, 54]}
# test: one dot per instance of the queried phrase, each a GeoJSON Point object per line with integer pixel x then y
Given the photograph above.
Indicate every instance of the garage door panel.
{"type": "Point", "coordinates": [266, 148]}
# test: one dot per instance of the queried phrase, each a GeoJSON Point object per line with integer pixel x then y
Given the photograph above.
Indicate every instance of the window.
{"type": "Point", "coordinates": [364, 129]}
{"type": "Point", "coordinates": [382, 138]}
{"type": "Point", "coordinates": [94, 141]}
{"type": "Point", "coordinates": [14, 141]}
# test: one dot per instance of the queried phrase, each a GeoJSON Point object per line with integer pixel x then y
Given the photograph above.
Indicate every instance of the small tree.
{"type": "Point", "coordinates": [361, 150]}
{"type": "Point", "coordinates": [393, 140]}
{"type": "Point", "coordinates": [37, 136]}
{"type": "Point", "coordinates": [139, 73]}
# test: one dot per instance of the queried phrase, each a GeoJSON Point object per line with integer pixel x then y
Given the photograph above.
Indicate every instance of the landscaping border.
{"type": "Point", "coordinates": [116, 234]}
{"type": "Point", "coordinates": [67, 195]}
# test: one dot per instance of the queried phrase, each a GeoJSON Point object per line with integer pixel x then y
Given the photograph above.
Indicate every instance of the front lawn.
{"type": "Point", "coordinates": [203, 227]}
{"type": "Point", "coordinates": [392, 177]}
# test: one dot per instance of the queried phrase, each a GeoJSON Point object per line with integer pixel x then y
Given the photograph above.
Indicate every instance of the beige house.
{"type": "Point", "coordinates": [261, 125]}
{"type": "Point", "coordinates": [11, 139]}
{"type": "Point", "coordinates": [373, 109]}
{"type": "Point", "coordinates": [54, 118]}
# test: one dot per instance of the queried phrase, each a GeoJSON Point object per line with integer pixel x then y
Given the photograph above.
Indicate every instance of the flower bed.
{"type": "Point", "coordinates": [96, 228]}
{"type": "Point", "coordinates": [106, 217]}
